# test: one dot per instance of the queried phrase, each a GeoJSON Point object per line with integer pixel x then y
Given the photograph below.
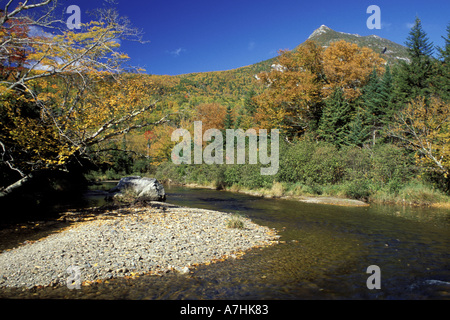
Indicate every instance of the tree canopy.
{"type": "Point", "coordinates": [63, 93]}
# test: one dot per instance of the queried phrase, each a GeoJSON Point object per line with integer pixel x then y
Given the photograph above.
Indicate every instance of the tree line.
{"type": "Point", "coordinates": [70, 103]}
{"type": "Point", "coordinates": [343, 111]}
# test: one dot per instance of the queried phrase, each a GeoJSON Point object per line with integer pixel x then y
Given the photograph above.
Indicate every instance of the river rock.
{"type": "Point", "coordinates": [128, 253]}
{"type": "Point", "coordinates": [145, 188]}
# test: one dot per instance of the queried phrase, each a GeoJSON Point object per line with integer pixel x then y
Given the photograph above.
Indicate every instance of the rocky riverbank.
{"type": "Point", "coordinates": [128, 242]}
{"type": "Point", "coordinates": [271, 194]}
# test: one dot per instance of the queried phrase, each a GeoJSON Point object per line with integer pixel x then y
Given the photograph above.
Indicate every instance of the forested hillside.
{"type": "Point", "coordinates": [360, 117]}
{"type": "Point", "coordinates": [357, 122]}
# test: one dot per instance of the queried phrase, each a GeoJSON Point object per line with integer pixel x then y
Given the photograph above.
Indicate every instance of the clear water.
{"type": "Point", "coordinates": [324, 254]}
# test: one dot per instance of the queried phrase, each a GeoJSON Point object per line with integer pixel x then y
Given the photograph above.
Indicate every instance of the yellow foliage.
{"type": "Point", "coordinates": [303, 78]}
{"type": "Point", "coordinates": [294, 88]}
{"type": "Point", "coordinates": [425, 127]}
{"type": "Point", "coordinates": [82, 101]}
{"type": "Point", "coordinates": [348, 66]}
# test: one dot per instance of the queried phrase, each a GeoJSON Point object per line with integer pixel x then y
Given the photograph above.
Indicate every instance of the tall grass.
{"type": "Point", "coordinates": [413, 193]}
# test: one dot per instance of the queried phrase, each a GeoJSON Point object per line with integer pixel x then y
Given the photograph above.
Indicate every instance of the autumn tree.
{"type": "Point", "coordinates": [13, 53]}
{"type": "Point", "coordinates": [294, 87]}
{"type": "Point", "coordinates": [348, 67]}
{"type": "Point", "coordinates": [74, 85]}
{"type": "Point", "coordinates": [212, 116]}
{"type": "Point", "coordinates": [160, 144]}
{"type": "Point", "coordinates": [425, 128]}
{"type": "Point", "coordinates": [304, 78]}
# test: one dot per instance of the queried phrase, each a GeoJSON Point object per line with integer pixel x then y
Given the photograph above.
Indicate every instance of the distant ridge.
{"type": "Point", "coordinates": [389, 50]}
{"type": "Point", "coordinates": [324, 36]}
{"type": "Point", "coordinates": [232, 85]}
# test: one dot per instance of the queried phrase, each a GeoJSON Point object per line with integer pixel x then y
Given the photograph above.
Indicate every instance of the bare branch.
{"type": "Point", "coordinates": [95, 140]}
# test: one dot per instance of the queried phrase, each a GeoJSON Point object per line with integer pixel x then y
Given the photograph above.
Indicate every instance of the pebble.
{"type": "Point", "coordinates": [128, 243]}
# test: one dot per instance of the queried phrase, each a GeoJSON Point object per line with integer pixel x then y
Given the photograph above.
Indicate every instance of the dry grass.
{"type": "Point", "coordinates": [235, 222]}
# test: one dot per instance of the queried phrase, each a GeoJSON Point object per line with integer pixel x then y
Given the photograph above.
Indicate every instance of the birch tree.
{"type": "Point", "coordinates": [65, 92]}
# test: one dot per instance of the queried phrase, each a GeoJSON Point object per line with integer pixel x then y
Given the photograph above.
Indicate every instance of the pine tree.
{"type": "Point", "coordinates": [444, 53]}
{"type": "Point", "coordinates": [249, 104]}
{"type": "Point", "coordinates": [228, 124]}
{"type": "Point", "coordinates": [373, 97]}
{"type": "Point", "coordinates": [373, 105]}
{"type": "Point", "coordinates": [414, 79]}
{"type": "Point", "coordinates": [418, 42]}
{"type": "Point", "coordinates": [359, 130]}
{"type": "Point", "coordinates": [387, 92]}
{"type": "Point", "coordinates": [442, 84]}
{"type": "Point", "coordinates": [335, 120]}
{"type": "Point", "coordinates": [387, 84]}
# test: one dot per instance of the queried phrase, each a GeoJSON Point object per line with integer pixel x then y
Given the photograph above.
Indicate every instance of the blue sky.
{"type": "Point", "coordinates": [209, 35]}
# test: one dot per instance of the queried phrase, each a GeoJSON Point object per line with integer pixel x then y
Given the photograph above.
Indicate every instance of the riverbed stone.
{"type": "Point", "coordinates": [128, 251]}
{"type": "Point", "coordinates": [149, 189]}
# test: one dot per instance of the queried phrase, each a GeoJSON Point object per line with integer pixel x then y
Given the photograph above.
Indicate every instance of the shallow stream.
{"type": "Point", "coordinates": [324, 254]}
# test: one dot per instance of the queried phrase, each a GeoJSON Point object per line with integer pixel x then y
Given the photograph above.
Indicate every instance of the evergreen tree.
{"type": "Point", "coordinates": [442, 84]}
{"type": "Point", "coordinates": [415, 78]}
{"type": "Point", "coordinates": [373, 98]}
{"type": "Point", "coordinates": [373, 105]}
{"type": "Point", "coordinates": [387, 84]}
{"type": "Point", "coordinates": [418, 42]}
{"type": "Point", "coordinates": [444, 53]}
{"type": "Point", "coordinates": [335, 120]}
{"type": "Point", "coordinates": [229, 118]}
{"type": "Point", "coordinates": [387, 88]}
{"type": "Point", "coordinates": [375, 109]}
{"type": "Point", "coordinates": [359, 130]}
{"type": "Point", "coordinates": [249, 104]}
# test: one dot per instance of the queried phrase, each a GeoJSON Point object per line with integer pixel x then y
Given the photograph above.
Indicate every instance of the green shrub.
{"type": "Point", "coordinates": [292, 160]}
{"type": "Point", "coordinates": [325, 166]}
{"type": "Point", "coordinates": [233, 175]}
{"type": "Point", "coordinates": [141, 166]}
{"type": "Point", "coordinates": [111, 174]}
{"type": "Point", "coordinates": [251, 177]}
{"type": "Point", "coordinates": [308, 167]}
{"type": "Point", "coordinates": [392, 167]}
{"type": "Point", "coordinates": [359, 189]}
{"type": "Point", "coordinates": [310, 163]}
{"type": "Point", "coordinates": [235, 222]}
{"type": "Point", "coordinates": [356, 162]}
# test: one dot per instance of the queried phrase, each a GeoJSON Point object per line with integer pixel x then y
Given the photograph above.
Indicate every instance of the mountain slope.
{"type": "Point", "coordinates": [230, 87]}
{"type": "Point", "coordinates": [393, 51]}
{"type": "Point", "coordinates": [324, 36]}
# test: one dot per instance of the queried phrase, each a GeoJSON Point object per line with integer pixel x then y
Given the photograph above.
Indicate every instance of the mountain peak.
{"type": "Point", "coordinates": [323, 29]}
{"type": "Point", "coordinates": [390, 51]}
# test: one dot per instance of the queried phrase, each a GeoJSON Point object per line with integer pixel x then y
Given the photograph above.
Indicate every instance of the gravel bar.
{"type": "Point", "coordinates": [130, 242]}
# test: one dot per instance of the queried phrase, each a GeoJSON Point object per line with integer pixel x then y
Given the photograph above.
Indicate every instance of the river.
{"type": "Point", "coordinates": [324, 253]}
